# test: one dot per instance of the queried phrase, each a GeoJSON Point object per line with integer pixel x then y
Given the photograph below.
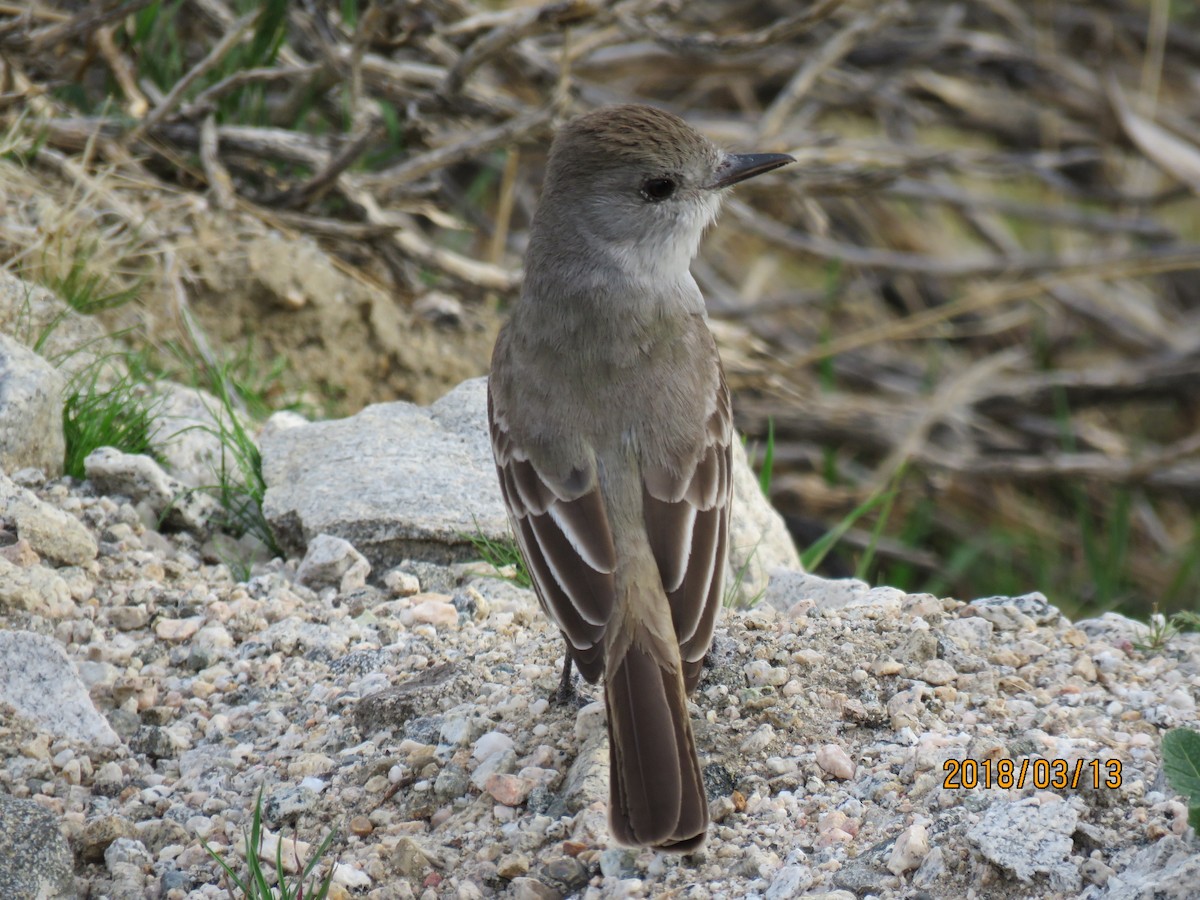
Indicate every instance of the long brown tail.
{"type": "Point", "coordinates": [657, 793]}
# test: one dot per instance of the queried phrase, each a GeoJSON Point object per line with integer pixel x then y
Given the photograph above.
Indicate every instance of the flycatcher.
{"type": "Point", "coordinates": [611, 427]}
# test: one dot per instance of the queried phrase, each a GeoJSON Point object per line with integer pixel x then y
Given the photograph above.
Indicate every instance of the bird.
{"type": "Point", "coordinates": [611, 427]}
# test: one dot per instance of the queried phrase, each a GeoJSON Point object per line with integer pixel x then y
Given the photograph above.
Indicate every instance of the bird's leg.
{"type": "Point", "coordinates": [566, 689]}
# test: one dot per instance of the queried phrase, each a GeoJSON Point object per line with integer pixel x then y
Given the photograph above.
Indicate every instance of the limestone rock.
{"type": "Point", "coordinates": [35, 860]}
{"type": "Point", "coordinates": [31, 404]}
{"type": "Point", "coordinates": [142, 479]}
{"type": "Point", "coordinates": [35, 315]}
{"type": "Point", "coordinates": [396, 480]}
{"type": "Point", "coordinates": [787, 588]}
{"type": "Point", "coordinates": [333, 562]}
{"type": "Point", "coordinates": [759, 542]}
{"type": "Point", "coordinates": [186, 432]}
{"type": "Point", "coordinates": [51, 533]}
{"type": "Point", "coordinates": [39, 682]}
{"type": "Point", "coordinates": [1030, 839]}
{"type": "Point", "coordinates": [34, 589]}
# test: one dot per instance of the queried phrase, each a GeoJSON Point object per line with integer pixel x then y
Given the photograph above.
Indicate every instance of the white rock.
{"type": "Point", "coordinates": [1029, 838]}
{"type": "Point", "coordinates": [38, 681]}
{"type": "Point", "coordinates": [51, 532]}
{"type": "Point", "coordinates": [760, 673]}
{"type": "Point", "coordinates": [790, 881]}
{"type": "Point", "coordinates": [834, 760]}
{"type": "Point", "coordinates": [350, 877]}
{"type": "Point", "coordinates": [910, 849]}
{"type": "Point", "coordinates": [589, 720]}
{"type": "Point", "coordinates": [178, 629]}
{"type": "Point", "coordinates": [440, 613]}
{"type": "Point", "coordinates": [787, 588]}
{"type": "Point", "coordinates": [401, 583]}
{"type": "Point", "coordinates": [214, 637]}
{"type": "Point", "coordinates": [906, 707]}
{"type": "Point", "coordinates": [491, 743]}
{"type": "Point", "coordinates": [759, 541]}
{"type": "Point", "coordinates": [937, 672]}
{"type": "Point", "coordinates": [333, 562]}
{"type": "Point", "coordinates": [759, 739]}
{"type": "Point", "coordinates": [143, 480]}
{"type": "Point", "coordinates": [34, 589]}
{"type": "Point", "coordinates": [31, 410]}
{"type": "Point", "coordinates": [455, 730]}
{"type": "Point", "coordinates": [186, 432]}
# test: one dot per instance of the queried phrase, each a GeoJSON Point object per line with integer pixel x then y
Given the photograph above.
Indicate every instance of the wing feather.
{"type": "Point", "coordinates": [562, 528]}
{"type": "Point", "coordinates": [687, 520]}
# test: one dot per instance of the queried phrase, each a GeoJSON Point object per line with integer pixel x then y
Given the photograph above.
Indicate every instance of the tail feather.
{"type": "Point", "coordinates": [657, 792]}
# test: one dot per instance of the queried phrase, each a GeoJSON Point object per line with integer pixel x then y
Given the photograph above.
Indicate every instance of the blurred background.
{"type": "Point", "coordinates": [963, 332]}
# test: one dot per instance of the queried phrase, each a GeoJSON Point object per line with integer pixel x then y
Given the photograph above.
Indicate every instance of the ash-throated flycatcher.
{"type": "Point", "coordinates": [611, 427]}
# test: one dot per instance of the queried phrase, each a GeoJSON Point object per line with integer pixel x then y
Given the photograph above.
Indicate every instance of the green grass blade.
{"type": "Point", "coordinates": [812, 557]}
{"type": "Point", "coordinates": [120, 415]}
{"type": "Point", "coordinates": [768, 463]}
{"type": "Point", "coordinates": [269, 32]}
{"type": "Point", "coordinates": [229, 873]}
{"type": "Point", "coordinates": [864, 564]}
{"type": "Point", "coordinates": [499, 555]}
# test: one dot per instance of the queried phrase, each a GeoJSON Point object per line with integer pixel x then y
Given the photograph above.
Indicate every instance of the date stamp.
{"type": "Point", "coordinates": [1043, 774]}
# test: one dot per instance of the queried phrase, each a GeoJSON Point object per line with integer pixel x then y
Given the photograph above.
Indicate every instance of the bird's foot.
{"type": "Point", "coordinates": [565, 694]}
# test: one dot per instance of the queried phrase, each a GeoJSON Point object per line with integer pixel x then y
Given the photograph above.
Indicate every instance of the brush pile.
{"type": "Point", "coordinates": [971, 311]}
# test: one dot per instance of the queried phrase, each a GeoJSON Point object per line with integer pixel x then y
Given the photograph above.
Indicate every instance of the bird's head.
{"type": "Point", "coordinates": [639, 185]}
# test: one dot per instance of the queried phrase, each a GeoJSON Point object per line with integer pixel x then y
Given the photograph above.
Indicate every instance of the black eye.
{"type": "Point", "coordinates": [656, 189]}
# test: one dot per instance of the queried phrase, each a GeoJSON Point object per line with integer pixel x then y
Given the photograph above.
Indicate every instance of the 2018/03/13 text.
{"type": "Point", "coordinates": [1053, 774]}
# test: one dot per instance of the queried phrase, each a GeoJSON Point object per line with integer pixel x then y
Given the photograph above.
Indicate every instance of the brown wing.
{"type": "Point", "coordinates": [563, 532]}
{"type": "Point", "coordinates": [687, 520]}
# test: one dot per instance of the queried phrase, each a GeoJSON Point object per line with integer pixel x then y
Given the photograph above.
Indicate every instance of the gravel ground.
{"type": "Point", "coordinates": [412, 718]}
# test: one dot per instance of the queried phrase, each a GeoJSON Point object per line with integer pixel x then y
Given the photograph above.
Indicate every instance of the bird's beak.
{"type": "Point", "coordinates": [737, 167]}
